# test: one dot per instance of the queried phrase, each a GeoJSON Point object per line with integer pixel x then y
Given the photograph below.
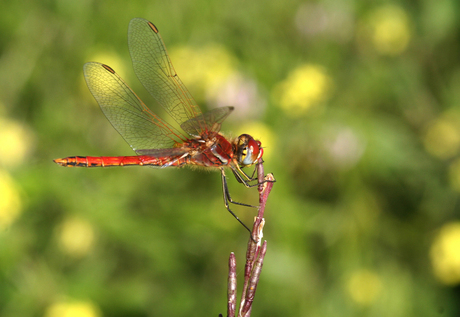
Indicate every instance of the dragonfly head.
{"type": "Point", "coordinates": [248, 150]}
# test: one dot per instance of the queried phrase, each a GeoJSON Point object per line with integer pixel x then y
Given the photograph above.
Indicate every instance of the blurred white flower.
{"type": "Point", "coordinates": [318, 19]}
{"type": "Point", "coordinates": [344, 147]}
{"type": "Point", "coordinates": [240, 92]}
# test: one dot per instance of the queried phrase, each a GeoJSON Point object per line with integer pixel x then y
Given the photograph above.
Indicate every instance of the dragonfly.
{"type": "Point", "coordinates": [156, 142]}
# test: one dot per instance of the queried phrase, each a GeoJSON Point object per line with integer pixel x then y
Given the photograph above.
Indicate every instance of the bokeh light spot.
{"type": "Point", "coordinates": [75, 237]}
{"type": "Point", "coordinates": [304, 88]}
{"type": "Point", "coordinates": [388, 30]}
{"type": "Point", "coordinates": [73, 309]}
{"type": "Point", "coordinates": [109, 58]}
{"type": "Point", "coordinates": [442, 138]}
{"type": "Point", "coordinates": [263, 133]}
{"type": "Point", "coordinates": [364, 286]}
{"type": "Point", "coordinates": [344, 146]}
{"type": "Point", "coordinates": [203, 69]}
{"type": "Point", "coordinates": [10, 202]}
{"type": "Point", "coordinates": [242, 93]}
{"type": "Point", "coordinates": [15, 143]}
{"type": "Point", "coordinates": [445, 254]}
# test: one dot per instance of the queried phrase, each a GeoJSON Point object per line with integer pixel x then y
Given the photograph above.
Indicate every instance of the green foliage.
{"type": "Point", "coordinates": [356, 104]}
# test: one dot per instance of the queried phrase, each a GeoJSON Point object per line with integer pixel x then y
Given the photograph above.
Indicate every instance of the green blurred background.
{"type": "Point", "coordinates": [356, 103]}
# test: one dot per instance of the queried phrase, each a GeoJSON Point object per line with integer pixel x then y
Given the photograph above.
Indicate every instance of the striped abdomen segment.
{"type": "Point", "coordinates": [105, 161]}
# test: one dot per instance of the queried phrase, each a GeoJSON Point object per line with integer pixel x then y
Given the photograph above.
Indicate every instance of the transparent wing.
{"type": "Point", "coordinates": [212, 119]}
{"type": "Point", "coordinates": [140, 127]}
{"type": "Point", "coordinates": [155, 71]}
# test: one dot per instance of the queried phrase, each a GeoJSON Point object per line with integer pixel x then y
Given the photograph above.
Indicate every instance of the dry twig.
{"type": "Point", "coordinates": [254, 255]}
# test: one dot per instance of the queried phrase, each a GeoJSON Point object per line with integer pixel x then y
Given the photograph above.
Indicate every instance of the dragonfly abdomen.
{"type": "Point", "coordinates": [106, 161]}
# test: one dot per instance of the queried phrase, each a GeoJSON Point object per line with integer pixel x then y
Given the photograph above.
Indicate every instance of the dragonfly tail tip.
{"type": "Point", "coordinates": [60, 161]}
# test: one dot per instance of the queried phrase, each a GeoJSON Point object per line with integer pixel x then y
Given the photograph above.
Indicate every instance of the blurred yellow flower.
{"type": "Point", "coordinates": [75, 237]}
{"type": "Point", "coordinates": [73, 309]}
{"type": "Point", "coordinates": [15, 143]}
{"type": "Point", "coordinates": [445, 254]}
{"type": "Point", "coordinates": [263, 133]}
{"type": "Point", "coordinates": [364, 286]}
{"type": "Point", "coordinates": [203, 69]}
{"type": "Point", "coordinates": [442, 138]}
{"type": "Point", "coordinates": [388, 29]}
{"type": "Point", "coordinates": [109, 58]}
{"type": "Point", "coordinates": [304, 88]}
{"type": "Point", "coordinates": [10, 202]}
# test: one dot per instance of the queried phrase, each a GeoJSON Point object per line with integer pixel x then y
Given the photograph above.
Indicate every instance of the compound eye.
{"type": "Point", "coordinates": [261, 150]}
{"type": "Point", "coordinates": [248, 150]}
{"type": "Point", "coordinates": [250, 153]}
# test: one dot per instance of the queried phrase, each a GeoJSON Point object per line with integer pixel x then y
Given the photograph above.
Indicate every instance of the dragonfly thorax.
{"type": "Point", "coordinates": [248, 151]}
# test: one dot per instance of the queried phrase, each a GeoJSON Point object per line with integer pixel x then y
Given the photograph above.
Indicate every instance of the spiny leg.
{"type": "Point", "coordinates": [228, 199]}
{"type": "Point", "coordinates": [237, 170]}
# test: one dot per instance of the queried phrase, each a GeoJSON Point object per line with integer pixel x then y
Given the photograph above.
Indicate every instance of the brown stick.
{"type": "Point", "coordinates": [255, 253]}
{"type": "Point", "coordinates": [231, 291]}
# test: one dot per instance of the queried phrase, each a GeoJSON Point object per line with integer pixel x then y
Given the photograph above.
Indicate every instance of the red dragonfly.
{"type": "Point", "coordinates": [156, 142]}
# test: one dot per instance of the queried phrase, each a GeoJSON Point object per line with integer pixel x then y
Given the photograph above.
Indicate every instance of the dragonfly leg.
{"type": "Point", "coordinates": [246, 179]}
{"type": "Point", "coordinates": [227, 193]}
{"type": "Point", "coordinates": [228, 199]}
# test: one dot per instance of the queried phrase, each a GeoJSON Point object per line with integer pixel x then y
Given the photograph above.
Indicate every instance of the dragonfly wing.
{"type": "Point", "coordinates": [212, 119]}
{"type": "Point", "coordinates": [155, 71]}
{"type": "Point", "coordinates": [140, 127]}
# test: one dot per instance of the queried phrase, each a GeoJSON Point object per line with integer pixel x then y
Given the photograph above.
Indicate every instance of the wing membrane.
{"type": "Point", "coordinates": [212, 119]}
{"type": "Point", "coordinates": [155, 71]}
{"type": "Point", "coordinates": [140, 127]}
